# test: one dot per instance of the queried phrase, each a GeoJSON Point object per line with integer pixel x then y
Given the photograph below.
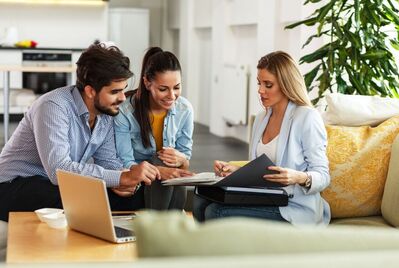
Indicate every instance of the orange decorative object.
{"type": "Point", "coordinates": [26, 44]}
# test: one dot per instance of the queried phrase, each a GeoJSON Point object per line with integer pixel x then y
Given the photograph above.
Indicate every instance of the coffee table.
{"type": "Point", "coordinates": [32, 241]}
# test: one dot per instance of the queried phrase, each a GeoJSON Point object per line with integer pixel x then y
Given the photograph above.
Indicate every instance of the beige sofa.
{"type": "Point", "coordinates": [174, 234]}
{"type": "Point", "coordinates": [365, 259]}
{"type": "Point", "coordinates": [364, 174]}
{"type": "Point", "coordinates": [387, 216]}
{"type": "Point", "coordinates": [351, 240]}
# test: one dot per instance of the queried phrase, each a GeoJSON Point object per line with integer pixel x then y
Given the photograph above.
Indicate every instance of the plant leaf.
{"type": "Point", "coordinates": [311, 1]}
{"type": "Point", "coordinates": [357, 57]}
{"type": "Point", "coordinates": [341, 84]}
{"type": "Point", "coordinates": [374, 55]}
{"type": "Point", "coordinates": [391, 14]}
{"type": "Point", "coordinates": [394, 44]}
{"type": "Point", "coordinates": [324, 10]}
{"type": "Point", "coordinates": [310, 76]}
{"type": "Point", "coordinates": [307, 22]}
{"type": "Point", "coordinates": [311, 38]}
{"type": "Point", "coordinates": [318, 54]}
{"type": "Point", "coordinates": [357, 14]}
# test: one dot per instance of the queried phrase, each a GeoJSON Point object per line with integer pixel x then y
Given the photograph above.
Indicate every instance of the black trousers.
{"type": "Point", "coordinates": [159, 197]}
{"type": "Point", "coordinates": [31, 193]}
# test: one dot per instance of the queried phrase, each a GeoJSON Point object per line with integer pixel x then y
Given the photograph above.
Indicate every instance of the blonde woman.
{"type": "Point", "coordinates": [292, 134]}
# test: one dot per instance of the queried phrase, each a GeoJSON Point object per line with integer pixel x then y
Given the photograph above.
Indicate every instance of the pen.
{"type": "Point", "coordinates": [222, 168]}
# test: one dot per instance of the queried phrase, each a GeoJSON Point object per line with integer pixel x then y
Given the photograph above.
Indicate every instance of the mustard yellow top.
{"type": "Point", "coordinates": [157, 128]}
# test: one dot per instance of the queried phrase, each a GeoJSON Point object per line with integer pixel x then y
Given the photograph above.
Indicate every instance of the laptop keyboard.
{"type": "Point", "coordinates": [121, 232]}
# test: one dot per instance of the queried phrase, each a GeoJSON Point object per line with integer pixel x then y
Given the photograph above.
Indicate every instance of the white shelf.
{"type": "Point", "coordinates": [20, 100]}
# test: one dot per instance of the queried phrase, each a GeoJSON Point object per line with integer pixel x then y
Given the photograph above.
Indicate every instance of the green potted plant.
{"type": "Point", "coordinates": [358, 57]}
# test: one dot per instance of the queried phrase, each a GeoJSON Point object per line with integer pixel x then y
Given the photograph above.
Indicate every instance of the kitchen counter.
{"type": "Point", "coordinates": [40, 48]}
{"type": "Point", "coordinates": [6, 69]}
{"type": "Point", "coordinates": [39, 69]}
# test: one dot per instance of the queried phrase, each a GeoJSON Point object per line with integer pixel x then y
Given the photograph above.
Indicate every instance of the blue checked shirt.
{"type": "Point", "coordinates": [55, 134]}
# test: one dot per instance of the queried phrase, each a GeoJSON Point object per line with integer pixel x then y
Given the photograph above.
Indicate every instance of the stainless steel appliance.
{"type": "Point", "coordinates": [42, 82]}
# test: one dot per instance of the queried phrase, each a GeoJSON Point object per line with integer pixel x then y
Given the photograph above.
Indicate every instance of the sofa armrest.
{"type": "Point", "coordinates": [390, 199]}
{"type": "Point", "coordinates": [167, 234]}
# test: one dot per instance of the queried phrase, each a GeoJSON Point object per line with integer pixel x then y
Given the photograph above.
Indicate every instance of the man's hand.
{"type": "Point", "coordinates": [171, 173]}
{"type": "Point", "coordinates": [172, 157]}
{"type": "Point", "coordinates": [124, 191]}
{"type": "Point", "coordinates": [143, 172]}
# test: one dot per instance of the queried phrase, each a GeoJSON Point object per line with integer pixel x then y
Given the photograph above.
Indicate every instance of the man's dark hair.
{"type": "Point", "coordinates": [99, 65]}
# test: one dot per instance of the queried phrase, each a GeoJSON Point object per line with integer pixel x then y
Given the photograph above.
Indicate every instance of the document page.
{"type": "Point", "coordinates": [204, 178]}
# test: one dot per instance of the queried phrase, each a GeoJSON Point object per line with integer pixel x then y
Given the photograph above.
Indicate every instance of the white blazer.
{"type": "Point", "coordinates": [301, 146]}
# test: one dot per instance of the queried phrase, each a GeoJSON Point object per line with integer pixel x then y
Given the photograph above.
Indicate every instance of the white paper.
{"type": "Point", "coordinates": [204, 178]}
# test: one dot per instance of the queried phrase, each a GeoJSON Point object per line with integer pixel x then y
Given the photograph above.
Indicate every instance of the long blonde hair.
{"type": "Point", "coordinates": [289, 78]}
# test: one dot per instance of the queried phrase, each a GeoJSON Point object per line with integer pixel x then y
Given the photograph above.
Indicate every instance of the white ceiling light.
{"type": "Point", "coordinates": [56, 2]}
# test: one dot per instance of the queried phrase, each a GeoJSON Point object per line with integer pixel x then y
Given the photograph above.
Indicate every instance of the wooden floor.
{"type": "Point", "coordinates": [208, 147]}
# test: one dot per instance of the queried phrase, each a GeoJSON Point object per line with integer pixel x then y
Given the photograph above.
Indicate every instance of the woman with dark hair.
{"type": "Point", "coordinates": [156, 124]}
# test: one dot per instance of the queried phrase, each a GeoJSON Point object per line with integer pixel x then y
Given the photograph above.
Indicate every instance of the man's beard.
{"type": "Point", "coordinates": [105, 110]}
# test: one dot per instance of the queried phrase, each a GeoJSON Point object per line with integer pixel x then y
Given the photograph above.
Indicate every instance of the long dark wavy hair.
{"type": "Point", "coordinates": [155, 61]}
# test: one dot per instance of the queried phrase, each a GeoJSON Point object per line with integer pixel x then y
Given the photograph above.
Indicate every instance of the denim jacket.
{"type": "Point", "coordinates": [177, 132]}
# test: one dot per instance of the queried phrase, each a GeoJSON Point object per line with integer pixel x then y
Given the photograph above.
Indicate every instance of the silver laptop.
{"type": "Point", "coordinates": [87, 209]}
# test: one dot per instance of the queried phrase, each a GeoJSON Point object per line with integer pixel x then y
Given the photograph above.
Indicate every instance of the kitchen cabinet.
{"type": "Point", "coordinates": [75, 57]}
{"type": "Point", "coordinates": [129, 29]}
{"type": "Point", "coordinates": [11, 57]}
{"type": "Point", "coordinates": [7, 69]}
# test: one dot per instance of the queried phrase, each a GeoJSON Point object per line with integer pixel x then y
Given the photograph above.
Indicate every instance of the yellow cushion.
{"type": "Point", "coordinates": [359, 158]}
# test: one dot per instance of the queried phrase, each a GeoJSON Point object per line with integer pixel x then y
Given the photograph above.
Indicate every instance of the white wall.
{"type": "Point", "coordinates": [155, 7]}
{"type": "Point", "coordinates": [56, 25]}
{"type": "Point", "coordinates": [203, 81]}
{"type": "Point", "coordinates": [129, 30]}
{"type": "Point", "coordinates": [230, 31]}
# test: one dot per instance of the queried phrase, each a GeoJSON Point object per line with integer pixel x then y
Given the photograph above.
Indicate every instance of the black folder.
{"type": "Point", "coordinates": [246, 186]}
{"type": "Point", "coordinates": [251, 174]}
{"type": "Point", "coordinates": [243, 196]}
